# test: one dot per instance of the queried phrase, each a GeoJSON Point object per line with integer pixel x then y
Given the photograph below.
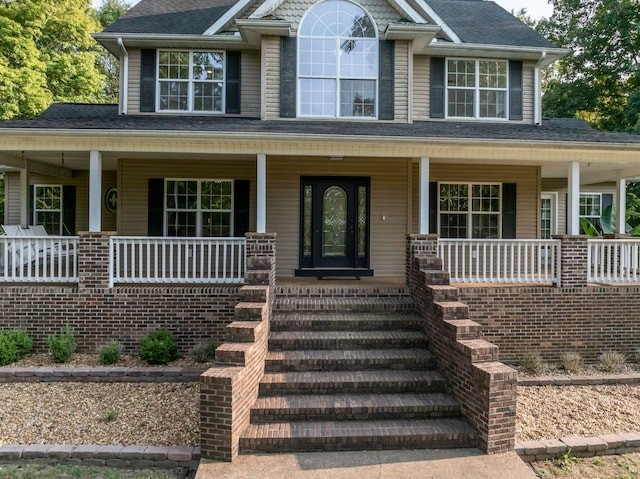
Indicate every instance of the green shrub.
{"type": "Point", "coordinates": [612, 361]}
{"type": "Point", "coordinates": [532, 363]}
{"type": "Point", "coordinates": [204, 351]}
{"type": "Point", "coordinates": [159, 347]}
{"type": "Point", "coordinates": [62, 346]}
{"type": "Point", "coordinates": [110, 352]}
{"type": "Point", "coordinates": [571, 362]}
{"type": "Point", "coordinates": [8, 350]}
{"type": "Point", "coordinates": [110, 414]}
{"type": "Point", "coordinates": [23, 342]}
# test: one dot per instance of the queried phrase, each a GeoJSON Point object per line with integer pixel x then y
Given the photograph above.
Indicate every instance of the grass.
{"type": "Point", "coordinates": [601, 467]}
{"type": "Point", "coordinates": [36, 471]}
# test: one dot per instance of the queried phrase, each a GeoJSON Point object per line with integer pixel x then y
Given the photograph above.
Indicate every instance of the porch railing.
{"type": "Point", "coordinates": [39, 259]}
{"type": "Point", "coordinates": [134, 259]}
{"type": "Point", "coordinates": [613, 261]}
{"type": "Point", "coordinates": [500, 261]}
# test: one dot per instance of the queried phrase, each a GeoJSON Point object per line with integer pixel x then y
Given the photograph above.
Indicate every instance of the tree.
{"type": "Point", "coordinates": [47, 54]}
{"type": "Point", "coordinates": [599, 80]}
{"type": "Point", "coordinates": [108, 13]}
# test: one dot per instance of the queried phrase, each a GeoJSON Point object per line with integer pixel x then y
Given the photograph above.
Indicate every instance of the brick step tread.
{"type": "Point", "coordinates": [289, 340]}
{"type": "Point", "coordinates": [326, 289]}
{"type": "Point", "coordinates": [328, 359]}
{"type": "Point", "coordinates": [353, 406]}
{"type": "Point", "coordinates": [354, 435]}
{"type": "Point", "coordinates": [332, 382]}
{"type": "Point", "coordinates": [363, 304]}
{"type": "Point", "coordinates": [346, 321]}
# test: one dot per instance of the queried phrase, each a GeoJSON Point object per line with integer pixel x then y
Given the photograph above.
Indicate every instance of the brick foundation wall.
{"type": "Point", "coordinates": [228, 390]}
{"type": "Point", "coordinates": [550, 321]}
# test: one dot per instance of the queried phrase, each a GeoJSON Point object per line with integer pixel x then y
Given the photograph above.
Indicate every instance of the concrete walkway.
{"type": "Point", "coordinates": [412, 464]}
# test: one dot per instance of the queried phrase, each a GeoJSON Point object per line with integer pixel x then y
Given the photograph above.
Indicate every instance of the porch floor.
{"type": "Point", "coordinates": [342, 281]}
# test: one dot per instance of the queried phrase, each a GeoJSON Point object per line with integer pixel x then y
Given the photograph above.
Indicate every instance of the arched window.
{"type": "Point", "coordinates": [337, 61]}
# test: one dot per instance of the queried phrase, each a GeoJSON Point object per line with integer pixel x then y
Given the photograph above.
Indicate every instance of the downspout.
{"type": "Point", "coordinates": [124, 78]}
{"type": "Point", "coordinates": [537, 98]}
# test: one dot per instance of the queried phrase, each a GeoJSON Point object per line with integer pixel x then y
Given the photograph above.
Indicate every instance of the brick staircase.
{"type": "Point", "coordinates": [348, 371]}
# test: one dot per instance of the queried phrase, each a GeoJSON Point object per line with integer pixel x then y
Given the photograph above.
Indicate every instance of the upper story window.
{"type": "Point", "coordinates": [477, 88]}
{"type": "Point", "coordinates": [337, 62]}
{"type": "Point", "coordinates": [191, 81]}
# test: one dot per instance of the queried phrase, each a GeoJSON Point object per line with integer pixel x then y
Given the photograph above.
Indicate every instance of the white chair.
{"type": "Point", "coordinates": [13, 230]}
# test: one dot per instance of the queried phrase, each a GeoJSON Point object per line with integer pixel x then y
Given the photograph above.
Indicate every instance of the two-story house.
{"type": "Point", "coordinates": [344, 127]}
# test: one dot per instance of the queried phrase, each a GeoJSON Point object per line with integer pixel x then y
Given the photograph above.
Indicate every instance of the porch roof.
{"type": "Point", "coordinates": [90, 117]}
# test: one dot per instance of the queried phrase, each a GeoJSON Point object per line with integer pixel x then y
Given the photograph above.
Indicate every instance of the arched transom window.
{"type": "Point", "coordinates": [337, 61]}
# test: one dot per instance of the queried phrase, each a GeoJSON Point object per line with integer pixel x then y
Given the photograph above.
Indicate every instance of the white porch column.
{"type": "Point", "coordinates": [424, 196]}
{"type": "Point", "coordinates": [621, 206]}
{"type": "Point", "coordinates": [24, 197]}
{"type": "Point", "coordinates": [95, 192]}
{"type": "Point", "coordinates": [573, 199]}
{"type": "Point", "coordinates": [261, 180]}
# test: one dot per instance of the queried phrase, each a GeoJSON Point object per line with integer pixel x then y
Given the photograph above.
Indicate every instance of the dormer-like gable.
{"type": "Point", "coordinates": [392, 60]}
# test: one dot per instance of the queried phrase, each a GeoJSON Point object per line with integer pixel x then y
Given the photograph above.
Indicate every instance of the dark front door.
{"type": "Point", "coordinates": [334, 229]}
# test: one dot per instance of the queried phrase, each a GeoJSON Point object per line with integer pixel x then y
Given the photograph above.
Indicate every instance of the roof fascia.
{"type": "Point", "coordinates": [266, 8]}
{"type": "Point", "coordinates": [497, 51]}
{"type": "Point", "coordinates": [228, 16]}
{"type": "Point", "coordinates": [145, 40]}
{"type": "Point", "coordinates": [253, 30]}
{"type": "Point", "coordinates": [436, 18]}
{"type": "Point", "coordinates": [404, 7]}
{"type": "Point", "coordinates": [419, 33]}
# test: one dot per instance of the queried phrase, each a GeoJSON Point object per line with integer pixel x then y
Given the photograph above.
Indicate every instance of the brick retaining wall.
{"type": "Point", "coordinates": [551, 321]}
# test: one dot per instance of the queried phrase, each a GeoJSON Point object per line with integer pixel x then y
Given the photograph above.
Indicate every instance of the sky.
{"type": "Point", "coordinates": [536, 8]}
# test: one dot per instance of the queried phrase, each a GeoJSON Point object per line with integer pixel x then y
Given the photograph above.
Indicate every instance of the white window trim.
{"type": "Point", "coordinates": [585, 194]}
{"type": "Point", "coordinates": [470, 211]}
{"type": "Point", "coordinates": [190, 81]}
{"type": "Point", "coordinates": [337, 76]}
{"type": "Point", "coordinates": [476, 96]}
{"type": "Point", "coordinates": [198, 211]}
{"type": "Point", "coordinates": [553, 196]}
{"type": "Point", "coordinates": [36, 210]}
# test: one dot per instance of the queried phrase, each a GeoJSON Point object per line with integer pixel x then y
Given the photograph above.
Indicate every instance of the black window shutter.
{"type": "Point", "coordinates": [515, 90]}
{"type": "Point", "coordinates": [155, 207]}
{"type": "Point", "coordinates": [508, 210]}
{"type": "Point", "coordinates": [433, 208]}
{"type": "Point", "coordinates": [148, 81]}
{"type": "Point", "coordinates": [288, 73]}
{"type": "Point", "coordinates": [241, 205]}
{"type": "Point", "coordinates": [437, 87]}
{"type": "Point", "coordinates": [232, 95]}
{"type": "Point", "coordinates": [68, 210]}
{"type": "Point", "coordinates": [386, 102]}
{"type": "Point", "coordinates": [32, 202]}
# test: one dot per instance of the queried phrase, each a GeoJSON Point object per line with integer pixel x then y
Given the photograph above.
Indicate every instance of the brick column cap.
{"type": "Point", "coordinates": [421, 237]}
{"type": "Point", "coordinates": [259, 236]}
{"type": "Point", "coordinates": [570, 237]}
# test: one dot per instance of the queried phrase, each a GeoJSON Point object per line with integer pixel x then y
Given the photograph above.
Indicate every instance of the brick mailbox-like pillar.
{"type": "Point", "coordinates": [93, 260]}
{"type": "Point", "coordinates": [229, 389]}
{"type": "Point", "coordinates": [573, 260]}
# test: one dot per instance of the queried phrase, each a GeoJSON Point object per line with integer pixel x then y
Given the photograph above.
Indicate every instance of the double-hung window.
{"type": "Point", "coordinates": [477, 88]}
{"type": "Point", "coordinates": [591, 207]}
{"type": "Point", "coordinates": [47, 208]}
{"type": "Point", "coordinates": [469, 210]}
{"type": "Point", "coordinates": [337, 62]}
{"type": "Point", "coordinates": [191, 81]}
{"type": "Point", "coordinates": [198, 208]}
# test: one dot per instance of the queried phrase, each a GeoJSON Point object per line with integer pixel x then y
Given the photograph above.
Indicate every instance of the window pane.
{"type": "Point", "coordinates": [207, 96]}
{"type": "Point", "coordinates": [337, 18]}
{"type": "Point", "coordinates": [181, 223]}
{"type": "Point", "coordinates": [208, 65]}
{"type": "Point", "coordinates": [216, 224]}
{"type": "Point", "coordinates": [454, 197]}
{"type": "Point", "coordinates": [174, 95]}
{"type": "Point", "coordinates": [317, 97]}
{"type": "Point", "coordinates": [461, 73]}
{"type": "Point", "coordinates": [485, 226]}
{"type": "Point", "coordinates": [334, 222]}
{"type": "Point", "coordinates": [461, 103]}
{"type": "Point", "coordinates": [493, 104]}
{"type": "Point", "coordinates": [359, 58]}
{"type": "Point", "coordinates": [362, 221]}
{"type": "Point", "coordinates": [493, 74]}
{"type": "Point", "coordinates": [306, 240]}
{"type": "Point", "coordinates": [358, 98]}
{"type": "Point", "coordinates": [453, 225]}
{"type": "Point", "coordinates": [182, 194]}
{"type": "Point", "coordinates": [317, 57]}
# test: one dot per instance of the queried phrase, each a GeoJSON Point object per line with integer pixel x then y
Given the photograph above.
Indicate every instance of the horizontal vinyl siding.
{"type": "Point", "coordinates": [12, 198]}
{"type": "Point", "coordinates": [388, 199]}
{"type": "Point", "coordinates": [133, 185]}
{"type": "Point", "coordinates": [528, 89]}
{"type": "Point", "coordinates": [421, 83]}
{"type": "Point", "coordinates": [525, 177]}
{"type": "Point", "coordinates": [250, 84]}
{"type": "Point", "coordinates": [401, 81]}
{"type": "Point", "coordinates": [271, 68]}
{"type": "Point", "coordinates": [134, 81]}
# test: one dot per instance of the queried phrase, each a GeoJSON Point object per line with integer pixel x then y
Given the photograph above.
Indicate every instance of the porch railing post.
{"type": "Point", "coordinates": [93, 260]}
{"type": "Point", "coordinates": [574, 262]}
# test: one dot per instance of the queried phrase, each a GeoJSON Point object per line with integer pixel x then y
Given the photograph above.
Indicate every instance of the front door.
{"type": "Point", "coordinates": [334, 227]}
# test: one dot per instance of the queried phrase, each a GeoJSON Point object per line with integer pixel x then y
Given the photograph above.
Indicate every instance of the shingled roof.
{"type": "Point", "coordinates": [105, 118]}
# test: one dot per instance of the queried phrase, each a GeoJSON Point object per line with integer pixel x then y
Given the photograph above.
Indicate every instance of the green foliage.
{"type": "Point", "coordinates": [607, 224]}
{"type": "Point", "coordinates": [110, 11]}
{"type": "Point", "coordinates": [110, 414]}
{"type": "Point", "coordinates": [204, 351]}
{"type": "Point", "coordinates": [47, 54]}
{"type": "Point", "coordinates": [41, 471]}
{"type": "Point", "coordinates": [63, 345]}
{"type": "Point", "coordinates": [110, 353]}
{"type": "Point", "coordinates": [599, 79]}
{"type": "Point", "coordinates": [159, 347]}
{"type": "Point", "coordinates": [14, 345]}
